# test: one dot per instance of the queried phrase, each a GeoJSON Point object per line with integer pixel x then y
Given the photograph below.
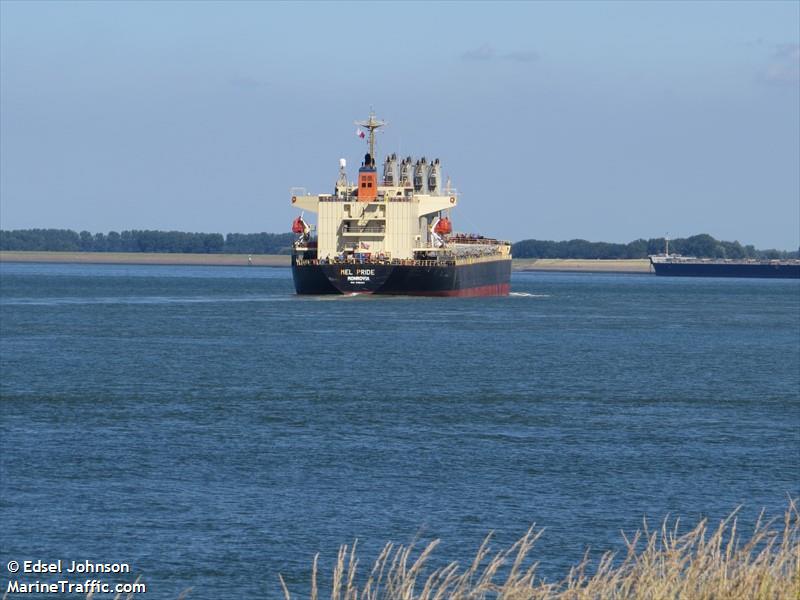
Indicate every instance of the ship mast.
{"type": "Point", "coordinates": [372, 124]}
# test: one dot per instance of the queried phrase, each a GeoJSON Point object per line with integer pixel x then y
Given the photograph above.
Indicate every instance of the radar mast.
{"type": "Point", "coordinates": [372, 124]}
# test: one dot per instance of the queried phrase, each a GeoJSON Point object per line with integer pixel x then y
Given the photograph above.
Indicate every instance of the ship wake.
{"type": "Point", "coordinates": [527, 295]}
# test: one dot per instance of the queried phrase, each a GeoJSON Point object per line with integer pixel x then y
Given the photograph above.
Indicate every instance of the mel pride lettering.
{"type": "Point", "coordinates": [361, 272]}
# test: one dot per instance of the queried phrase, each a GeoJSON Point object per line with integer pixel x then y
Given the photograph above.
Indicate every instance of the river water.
{"type": "Point", "coordinates": [211, 429]}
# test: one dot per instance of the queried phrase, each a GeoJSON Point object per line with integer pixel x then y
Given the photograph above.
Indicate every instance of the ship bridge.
{"type": "Point", "coordinates": [394, 217]}
{"type": "Point", "coordinates": [395, 222]}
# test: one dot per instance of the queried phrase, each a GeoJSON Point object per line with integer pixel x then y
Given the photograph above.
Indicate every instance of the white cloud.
{"type": "Point", "coordinates": [784, 67]}
{"type": "Point", "coordinates": [486, 52]}
{"type": "Point", "coordinates": [521, 56]}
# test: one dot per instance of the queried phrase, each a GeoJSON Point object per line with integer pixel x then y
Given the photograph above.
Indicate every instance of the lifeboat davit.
{"type": "Point", "coordinates": [443, 227]}
{"type": "Point", "coordinates": [298, 225]}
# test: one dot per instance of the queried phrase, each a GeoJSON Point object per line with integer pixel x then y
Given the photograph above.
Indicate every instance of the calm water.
{"type": "Point", "coordinates": [212, 429]}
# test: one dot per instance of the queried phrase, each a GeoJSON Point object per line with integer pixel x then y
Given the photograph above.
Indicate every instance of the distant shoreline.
{"type": "Point", "coordinates": [148, 258]}
{"type": "Point", "coordinates": [581, 265]}
{"type": "Point", "coordinates": [280, 260]}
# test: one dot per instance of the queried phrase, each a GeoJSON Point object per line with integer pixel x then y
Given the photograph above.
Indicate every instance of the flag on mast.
{"type": "Point", "coordinates": [360, 133]}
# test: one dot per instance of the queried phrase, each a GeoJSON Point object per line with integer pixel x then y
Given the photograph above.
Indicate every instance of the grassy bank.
{"type": "Point", "coordinates": [278, 260]}
{"type": "Point", "coordinates": [703, 563]}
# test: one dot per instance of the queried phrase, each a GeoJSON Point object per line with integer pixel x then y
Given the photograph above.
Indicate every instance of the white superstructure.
{"type": "Point", "coordinates": [404, 216]}
{"type": "Point", "coordinates": [395, 224]}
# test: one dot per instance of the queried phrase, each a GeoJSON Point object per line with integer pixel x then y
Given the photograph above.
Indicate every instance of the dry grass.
{"type": "Point", "coordinates": [664, 564]}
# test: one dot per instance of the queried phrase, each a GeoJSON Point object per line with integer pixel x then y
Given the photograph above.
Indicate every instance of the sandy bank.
{"type": "Point", "coordinates": [638, 265]}
{"type": "Point", "coordinates": [276, 260]}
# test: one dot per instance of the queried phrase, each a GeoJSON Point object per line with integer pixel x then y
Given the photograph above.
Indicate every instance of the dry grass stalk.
{"type": "Point", "coordinates": [702, 564]}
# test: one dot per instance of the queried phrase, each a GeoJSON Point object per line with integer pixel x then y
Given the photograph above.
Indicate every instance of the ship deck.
{"type": "Point", "coordinates": [681, 260]}
{"type": "Point", "coordinates": [462, 260]}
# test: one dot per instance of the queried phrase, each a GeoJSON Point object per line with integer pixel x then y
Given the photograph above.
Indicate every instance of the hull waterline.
{"type": "Point", "coordinates": [483, 278]}
{"type": "Point", "coordinates": [710, 269]}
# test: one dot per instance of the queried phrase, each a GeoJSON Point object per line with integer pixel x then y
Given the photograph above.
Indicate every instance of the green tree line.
{"type": "Point", "coordinates": [702, 246]}
{"type": "Point", "coordinates": [66, 240]}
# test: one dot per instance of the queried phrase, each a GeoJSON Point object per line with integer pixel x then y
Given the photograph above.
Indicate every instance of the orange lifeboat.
{"type": "Point", "coordinates": [443, 227]}
{"type": "Point", "coordinates": [298, 226]}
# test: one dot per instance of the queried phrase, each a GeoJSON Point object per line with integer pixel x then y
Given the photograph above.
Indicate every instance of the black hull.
{"type": "Point", "coordinates": [487, 278]}
{"type": "Point", "coordinates": [760, 270]}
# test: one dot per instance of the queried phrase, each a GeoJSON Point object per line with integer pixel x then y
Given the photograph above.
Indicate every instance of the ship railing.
{"type": "Point", "coordinates": [676, 258]}
{"type": "Point", "coordinates": [478, 258]}
{"type": "Point", "coordinates": [380, 261]}
{"type": "Point", "coordinates": [473, 239]}
{"type": "Point", "coordinates": [405, 196]}
{"type": "Point", "coordinates": [450, 243]}
{"type": "Point", "coordinates": [351, 198]}
{"type": "Point", "coordinates": [440, 262]}
{"type": "Point", "coordinates": [367, 229]}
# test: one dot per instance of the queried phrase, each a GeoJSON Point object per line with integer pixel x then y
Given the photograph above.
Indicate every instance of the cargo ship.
{"type": "Point", "coordinates": [689, 266]}
{"type": "Point", "coordinates": [393, 235]}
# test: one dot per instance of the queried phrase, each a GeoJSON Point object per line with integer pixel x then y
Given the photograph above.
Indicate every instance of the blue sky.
{"type": "Point", "coordinates": [604, 121]}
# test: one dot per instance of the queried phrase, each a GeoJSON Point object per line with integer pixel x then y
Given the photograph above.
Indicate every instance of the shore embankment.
{"type": "Point", "coordinates": [149, 258]}
{"type": "Point", "coordinates": [636, 265]}
{"type": "Point", "coordinates": [699, 562]}
{"type": "Point", "coordinates": [280, 260]}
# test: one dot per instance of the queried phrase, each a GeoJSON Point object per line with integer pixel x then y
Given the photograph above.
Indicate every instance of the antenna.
{"type": "Point", "coordinates": [372, 124]}
{"type": "Point", "coordinates": [341, 182]}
